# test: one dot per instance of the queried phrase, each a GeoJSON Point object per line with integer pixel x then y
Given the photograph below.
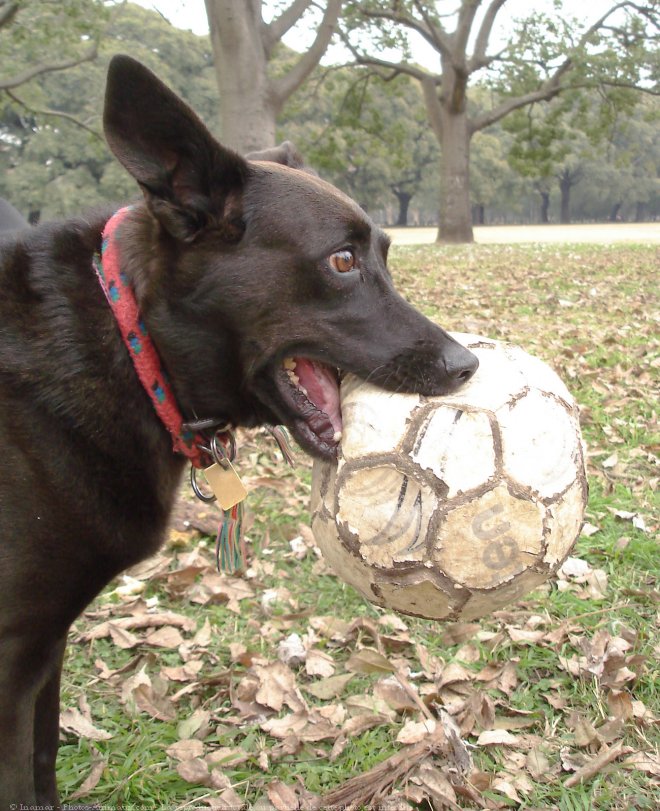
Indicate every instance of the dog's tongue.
{"type": "Point", "coordinates": [320, 383]}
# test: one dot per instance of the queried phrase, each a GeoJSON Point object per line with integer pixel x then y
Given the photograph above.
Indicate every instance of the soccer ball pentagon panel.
{"type": "Point", "coordinates": [451, 507]}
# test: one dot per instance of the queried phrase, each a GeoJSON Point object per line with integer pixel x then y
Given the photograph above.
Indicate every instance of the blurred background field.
{"type": "Point", "coordinates": [593, 233]}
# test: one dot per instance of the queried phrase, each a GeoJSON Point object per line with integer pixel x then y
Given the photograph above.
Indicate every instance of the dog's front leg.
{"type": "Point", "coordinates": [46, 732]}
{"type": "Point", "coordinates": [18, 692]}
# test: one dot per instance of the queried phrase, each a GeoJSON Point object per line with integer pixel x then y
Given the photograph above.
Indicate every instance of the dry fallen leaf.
{"type": "Point", "coordinates": [369, 661]}
{"type": "Point", "coordinates": [331, 687]}
{"type": "Point", "coordinates": [196, 725]}
{"type": "Point", "coordinates": [319, 663]}
{"type": "Point", "coordinates": [647, 762]}
{"type": "Point", "coordinates": [537, 764]}
{"type": "Point", "coordinates": [139, 621]}
{"type": "Point", "coordinates": [454, 673]}
{"type": "Point", "coordinates": [218, 588]}
{"type": "Point", "coordinates": [92, 780]}
{"type": "Point", "coordinates": [594, 765]}
{"type": "Point", "coordinates": [227, 800]}
{"type": "Point", "coordinates": [187, 749]}
{"type": "Point", "coordinates": [303, 725]}
{"type": "Point", "coordinates": [165, 637]}
{"type": "Point", "coordinates": [277, 687]}
{"type": "Point", "coordinates": [497, 737]}
{"type": "Point", "coordinates": [282, 797]}
{"type": "Point", "coordinates": [392, 693]}
{"type": "Point", "coordinates": [416, 731]}
{"type": "Point", "coordinates": [122, 638]}
{"type": "Point", "coordinates": [73, 721]}
{"type": "Point", "coordinates": [194, 771]}
{"type": "Point", "coordinates": [185, 673]}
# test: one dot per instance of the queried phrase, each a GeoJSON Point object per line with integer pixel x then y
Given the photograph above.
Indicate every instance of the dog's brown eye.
{"type": "Point", "coordinates": [343, 261]}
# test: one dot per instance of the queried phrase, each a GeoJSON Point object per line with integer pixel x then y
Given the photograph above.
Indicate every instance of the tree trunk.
{"type": "Point", "coordinates": [545, 207]}
{"type": "Point", "coordinates": [614, 213]}
{"type": "Point", "coordinates": [448, 118]}
{"type": "Point", "coordinates": [640, 212]}
{"type": "Point", "coordinates": [455, 210]}
{"type": "Point", "coordinates": [248, 110]}
{"type": "Point", "coordinates": [479, 214]}
{"type": "Point", "coordinates": [243, 44]}
{"type": "Point", "coordinates": [565, 185]}
{"type": "Point", "coordinates": [404, 199]}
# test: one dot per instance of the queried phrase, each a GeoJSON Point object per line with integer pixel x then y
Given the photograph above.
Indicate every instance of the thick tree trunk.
{"type": "Point", "coordinates": [243, 44]}
{"type": "Point", "coordinates": [248, 110]}
{"type": "Point", "coordinates": [455, 210]}
{"type": "Point", "coordinates": [545, 207]}
{"type": "Point", "coordinates": [404, 199]}
{"type": "Point", "coordinates": [448, 118]}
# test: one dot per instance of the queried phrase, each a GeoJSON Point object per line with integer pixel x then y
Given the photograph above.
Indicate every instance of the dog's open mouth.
{"type": "Point", "coordinates": [311, 390]}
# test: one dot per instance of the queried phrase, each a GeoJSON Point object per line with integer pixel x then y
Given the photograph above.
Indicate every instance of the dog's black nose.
{"type": "Point", "coordinates": [460, 364]}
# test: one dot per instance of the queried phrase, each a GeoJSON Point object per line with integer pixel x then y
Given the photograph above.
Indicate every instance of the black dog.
{"type": "Point", "coordinates": [242, 270]}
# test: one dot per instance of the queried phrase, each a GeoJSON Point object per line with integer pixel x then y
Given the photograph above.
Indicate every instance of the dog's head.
{"type": "Point", "coordinates": [258, 280]}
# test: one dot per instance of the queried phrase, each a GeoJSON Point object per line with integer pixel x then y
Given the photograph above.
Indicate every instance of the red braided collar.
{"type": "Point", "coordinates": [153, 377]}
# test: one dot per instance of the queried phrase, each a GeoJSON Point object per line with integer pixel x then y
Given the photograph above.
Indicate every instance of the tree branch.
{"type": "Point", "coordinates": [479, 58]}
{"type": "Point", "coordinates": [599, 23]}
{"type": "Point", "coordinates": [650, 91]}
{"type": "Point", "coordinates": [284, 86]}
{"type": "Point", "coordinates": [47, 67]}
{"type": "Point", "coordinates": [399, 67]}
{"type": "Point", "coordinates": [7, 14]}
{"type": "Point", "coordinates": [553, 85]}
{"type": "Point", "coordinates": [435, 36]}
{"type": "Point", "coordinates": [277, 28]}
{"type": "Point", "coordinates": [484, 120]}
{"type": "Point", "coordinates": [54, 113]}
{"type": "Point", "coordinates": [433, 105]}
{"type": "Point", "coordinates": [466, 15]}
{"type": "Point", "coordinates": [440, 40]}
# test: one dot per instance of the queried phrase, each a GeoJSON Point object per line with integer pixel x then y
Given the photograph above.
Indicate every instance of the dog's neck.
{"type": "Point", "coordinates": [143, 353]}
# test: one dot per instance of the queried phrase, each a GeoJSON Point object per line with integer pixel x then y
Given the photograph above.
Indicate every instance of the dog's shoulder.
{"type": "Point", "coordinates": [47, 280]}
{"type": "Point", "coordinates": [53, 247]}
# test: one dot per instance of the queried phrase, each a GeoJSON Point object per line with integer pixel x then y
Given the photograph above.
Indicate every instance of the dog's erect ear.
{"type": "Point", "coordinates": [189, 180]}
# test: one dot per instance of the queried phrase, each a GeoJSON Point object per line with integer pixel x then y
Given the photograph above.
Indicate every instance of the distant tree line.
{"type": "Point", "coordinates": [588, 153]}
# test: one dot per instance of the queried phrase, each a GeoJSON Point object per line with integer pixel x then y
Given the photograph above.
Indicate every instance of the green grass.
{"type": "Point", "coordinates": [588, 311]}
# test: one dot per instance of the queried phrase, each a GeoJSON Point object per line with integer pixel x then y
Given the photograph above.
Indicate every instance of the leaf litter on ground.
{"type": "Point", "coordinates": [284, 689]}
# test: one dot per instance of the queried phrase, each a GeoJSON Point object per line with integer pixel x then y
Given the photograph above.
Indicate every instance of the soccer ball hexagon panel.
{"type": "Point", "coordinates": [451, 507]}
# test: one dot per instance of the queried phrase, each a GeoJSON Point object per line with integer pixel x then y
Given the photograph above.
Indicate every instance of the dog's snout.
{"type": "Point", "coordinates": [460, 364]}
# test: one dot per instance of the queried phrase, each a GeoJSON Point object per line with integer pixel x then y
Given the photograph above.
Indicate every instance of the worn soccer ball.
{"type": "Point", "coordinates": [451, 507]}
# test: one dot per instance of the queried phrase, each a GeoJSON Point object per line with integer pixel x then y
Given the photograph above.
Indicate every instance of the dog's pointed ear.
{"type": "Point", "coordinates": [189, 180]}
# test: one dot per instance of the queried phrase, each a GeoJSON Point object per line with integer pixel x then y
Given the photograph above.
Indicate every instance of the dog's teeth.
{"type": "Point", "coordinates": [289, 363]}
{"type": "Point", "coordinates": [292, 377]}
{"type": "Point", "coordinates": [336, 436]}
